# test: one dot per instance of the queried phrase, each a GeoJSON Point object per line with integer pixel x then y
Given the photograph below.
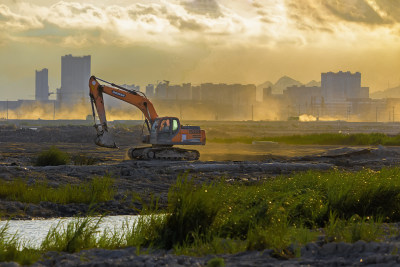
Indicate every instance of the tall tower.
{"type": "Point", "coordinates": [75, 74]}
{"type": "Point", "coordinates": [42, 85]}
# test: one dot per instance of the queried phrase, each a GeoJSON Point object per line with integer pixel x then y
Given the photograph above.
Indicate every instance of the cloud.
{"type": "Point", "coordinates": [355, 11]}
{"type": "Point", "coordinates": [268, 23]}
{"type": "Point", "coordinates": [209, 7]}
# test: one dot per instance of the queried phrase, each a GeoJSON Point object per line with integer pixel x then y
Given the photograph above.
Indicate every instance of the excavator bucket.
{"type": "Point", "coordinates": [105, 139]}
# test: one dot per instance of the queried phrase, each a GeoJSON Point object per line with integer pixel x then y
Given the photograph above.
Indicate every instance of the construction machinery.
{"type": "Point", "coordinates": [163, 132]}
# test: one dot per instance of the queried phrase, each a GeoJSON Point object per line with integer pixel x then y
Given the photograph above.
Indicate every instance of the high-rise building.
{"type": "Point", "coordinates": [338, 87]}
{"type": "Point", "coordinates": [75, 74]}
{"type": "Point", "coordinates": [42, 85]}
{"type": "Point", "coordinates": [150, 90]}
{"type": "Point", "coordinates": [161, 90]}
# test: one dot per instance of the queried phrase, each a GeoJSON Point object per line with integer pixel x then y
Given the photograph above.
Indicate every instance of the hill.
{"type": "Point", "coordinates": [283, 83]}
{"type": "Point", "coordinates": [388, 93]}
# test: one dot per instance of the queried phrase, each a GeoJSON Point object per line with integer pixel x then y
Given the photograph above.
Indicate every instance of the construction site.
{"type": "Point", "coordinates": [199, 133]}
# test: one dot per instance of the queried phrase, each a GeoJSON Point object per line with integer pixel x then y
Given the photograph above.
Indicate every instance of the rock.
{"type": "Point", "coordinates": [359, 246]}
{"type": "Point", "coordinates": [9, 264]}
{"type": "Point", "coordinates": [309, 250]}
{"type": "Point", "coordinates": [328, 249]}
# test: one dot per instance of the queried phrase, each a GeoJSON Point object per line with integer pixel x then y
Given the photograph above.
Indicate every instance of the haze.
{"type": "Point", "coordinates": [199, 41]}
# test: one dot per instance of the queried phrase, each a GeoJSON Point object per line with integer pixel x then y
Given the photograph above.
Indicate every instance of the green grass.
{"type": "Point", "coordinates": [281, 214]}
{"type": "Point", "coordinates": [222, 217]}
{"type": "Point", "coordinates": [216, 262]}
{"type": "Point", "coordinates": [319, 139]}
{"type": "Point", "coordinates": [83, 159]}
{"type": "Point", "coordinates": [52, 157]}
{"type": "Point", "coordinates": [77, 235]}
{"type": "Point", "coordinates": [98, 189]}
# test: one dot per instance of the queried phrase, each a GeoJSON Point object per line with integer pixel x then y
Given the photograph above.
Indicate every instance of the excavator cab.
{"type": "Point", "coordinates": [168, 131]}
{"type": "Point", "coordinates": [163, 130]}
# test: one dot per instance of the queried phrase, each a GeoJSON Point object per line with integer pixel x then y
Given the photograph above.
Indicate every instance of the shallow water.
{"type": "Point", "coordinates": [33, 232]}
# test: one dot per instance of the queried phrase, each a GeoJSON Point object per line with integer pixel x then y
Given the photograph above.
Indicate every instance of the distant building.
{"type": "Point", "coordinates": [42, 85]}
{"type": "Point", "coordinates": [179, 92]}
{"type": "Point", "coordinates": [184, 92]}
{"type": "Point", "coordinates": [150, 90]}
{"type": "Point", "coordinates": [196, 93]}
{"type": "Point", "coordinates": [228, 94]}
{"type": "Point", "coordinates": [75, 74]}
{"type": "Point", "coordinates": [303, 99]}
{"type": "Point", "coordinates": [267, 93]}
{"type": "Point", "coordinates": [161, 90]}
{"type": "Point", "coordinates": [341, 86]}
{"type": "Point", "coordinates": [131, 87]}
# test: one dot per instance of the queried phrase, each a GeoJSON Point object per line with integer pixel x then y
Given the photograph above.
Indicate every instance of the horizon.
{"type": "Point", "coordinates": [248, 42]}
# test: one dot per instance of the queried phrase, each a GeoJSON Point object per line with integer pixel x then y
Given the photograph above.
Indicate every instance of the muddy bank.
{"type": "Point", "coordinates": [317, 253]}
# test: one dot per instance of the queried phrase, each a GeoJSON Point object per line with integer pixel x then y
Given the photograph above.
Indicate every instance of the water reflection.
{"type": "Point", "coordinates": [33, 232]}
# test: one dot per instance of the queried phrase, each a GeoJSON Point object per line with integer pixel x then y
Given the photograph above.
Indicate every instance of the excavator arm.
{"type": "Point", "coordinates": [132, 97]}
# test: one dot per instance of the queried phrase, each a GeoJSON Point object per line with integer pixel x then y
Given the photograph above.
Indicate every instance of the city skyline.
{"type": "Point", "coordinates": [221, 41]}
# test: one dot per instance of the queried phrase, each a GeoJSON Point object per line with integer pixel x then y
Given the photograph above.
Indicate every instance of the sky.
{"type": "Point", "coordinates": [230, 41]}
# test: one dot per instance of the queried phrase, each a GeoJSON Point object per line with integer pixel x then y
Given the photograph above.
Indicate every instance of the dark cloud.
{"type": "Point", "coordinates": [313, 15]}
{"type": "Point", "coordinates": [185, 24]}
{"type": "Point", "coordinates": [391, 8]}
{"type": "Point", "coordinates": [140, 10]}
{"type": "Point", "coordinates": [256, 5]}
{"type": "Point", "coordinates": [262, 12]}
{"type": "Point", "coordinates": [209, 7]}
{"type": "Point", "coordinates": [354, 11]}
{"type": "Point", "coordinates": [305, 15]}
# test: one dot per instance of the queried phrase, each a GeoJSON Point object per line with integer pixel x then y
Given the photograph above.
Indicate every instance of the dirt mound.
{"type": "Point", "coordinates": [65, 134]}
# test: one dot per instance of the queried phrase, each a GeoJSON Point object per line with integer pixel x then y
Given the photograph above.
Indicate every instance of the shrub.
{"type": "Point", "coordinates": [191, 211]}
{"type": "Point", "coordinates": [52, 157]}
{"type": "Point", "coordinates": [83, 159]}
{"type": "Point", "coordinates": [216, 262]}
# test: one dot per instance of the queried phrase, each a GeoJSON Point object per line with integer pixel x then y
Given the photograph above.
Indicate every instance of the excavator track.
{"type": "Point", "coordinates": [163, 153]}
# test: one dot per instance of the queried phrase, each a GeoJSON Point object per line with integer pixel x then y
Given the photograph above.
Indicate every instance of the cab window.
{"type": "Point", "coordinates": [165, 126]}
{"type": "Point", "coordinates": [174, 125]}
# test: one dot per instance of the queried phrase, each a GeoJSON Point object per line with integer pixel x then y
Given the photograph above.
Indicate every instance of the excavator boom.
{"type": "Point", "coordinates": [132, 97]}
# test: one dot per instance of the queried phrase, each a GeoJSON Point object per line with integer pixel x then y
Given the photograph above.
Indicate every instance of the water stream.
{"type": "Point", "coordinates": [33, 232]}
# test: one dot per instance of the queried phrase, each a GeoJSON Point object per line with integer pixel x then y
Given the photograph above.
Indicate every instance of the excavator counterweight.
{"type": "Point", "coordinates": [164, 132]}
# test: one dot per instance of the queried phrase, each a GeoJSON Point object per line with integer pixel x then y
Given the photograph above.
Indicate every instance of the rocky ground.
{"type": "Point", "coordinates": [245, 163]}
{"type": "Point", "coordinates": [313, 254]}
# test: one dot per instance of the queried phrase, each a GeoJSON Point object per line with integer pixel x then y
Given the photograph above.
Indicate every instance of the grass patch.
{"type": "Point", "coordinates": [98, 189]}
{"type": "Point", "coordinates": [52, 157]}
{"type": "Point", "coordinates": [216, 262]}
{"type": "Point", "coordinates": [77, 235]}
{"type": "Point", "coordinates": [55, 157]}
{"type": "Point", "coordinates": [83, 159]}
{"type": "Point", "coordinates": [319, 139]}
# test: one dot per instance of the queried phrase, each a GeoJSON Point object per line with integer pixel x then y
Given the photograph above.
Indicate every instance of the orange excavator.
{"type": "Point", "coordinates": [164, 132]}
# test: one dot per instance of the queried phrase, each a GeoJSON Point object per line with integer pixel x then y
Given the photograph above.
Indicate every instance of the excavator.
{"type": "Point", "coordinates": [163, 132]}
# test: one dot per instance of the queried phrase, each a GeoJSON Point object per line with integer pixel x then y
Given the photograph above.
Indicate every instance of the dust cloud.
{"type": "Point", "coordinates": [270, 110]}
